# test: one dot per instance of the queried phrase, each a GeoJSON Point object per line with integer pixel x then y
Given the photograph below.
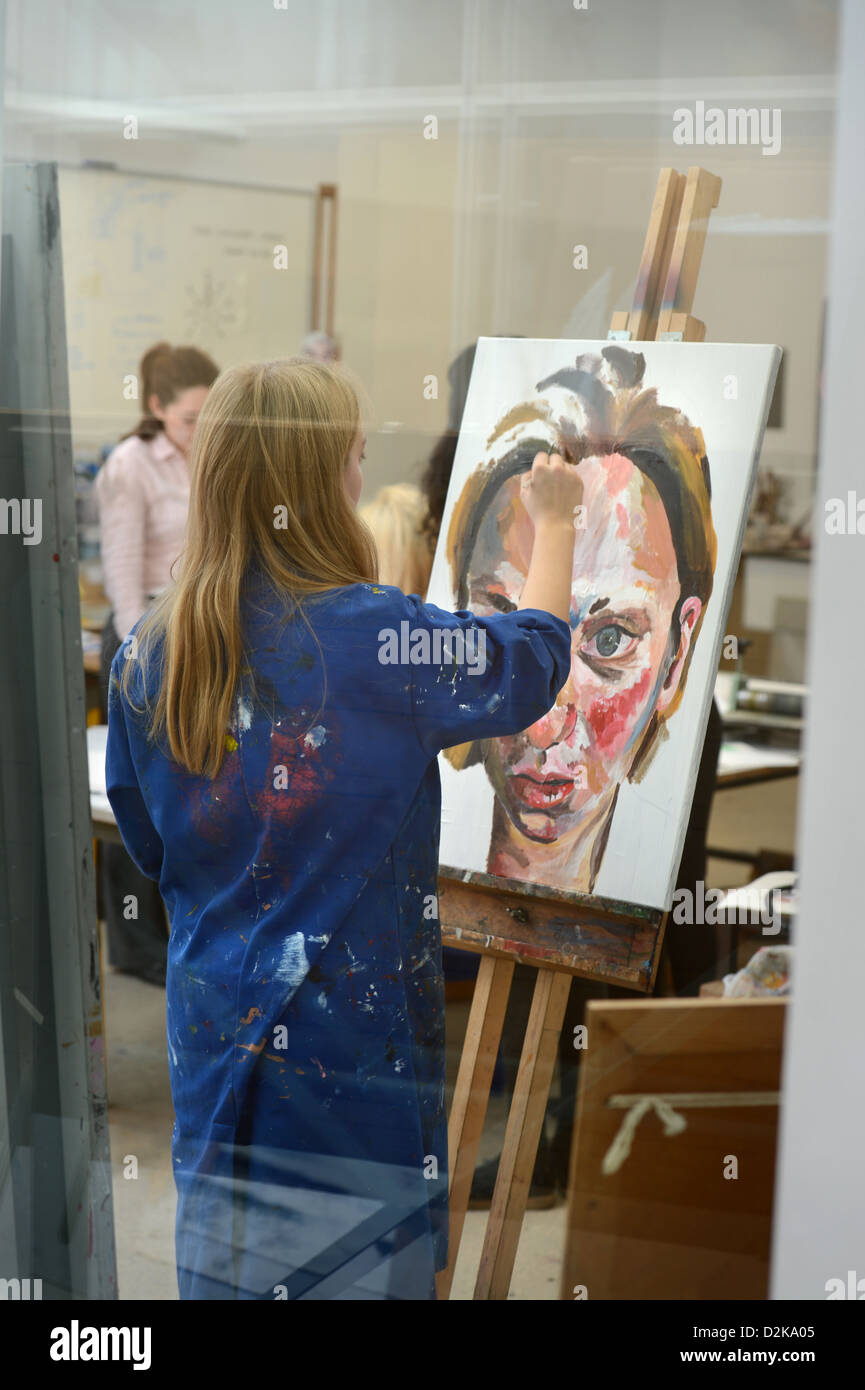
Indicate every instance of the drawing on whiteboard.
{"type": "Point", "coordinates": [147, 258]}
{"type": "Point", "coordinates": [212, 309]}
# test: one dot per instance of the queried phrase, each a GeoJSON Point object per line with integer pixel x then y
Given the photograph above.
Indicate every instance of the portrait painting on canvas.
{"type": "Point", "coordinates": [594, 798]}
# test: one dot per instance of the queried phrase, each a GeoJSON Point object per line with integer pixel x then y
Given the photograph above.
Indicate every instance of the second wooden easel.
{"type": "Point", "coordinates": [477, 913]}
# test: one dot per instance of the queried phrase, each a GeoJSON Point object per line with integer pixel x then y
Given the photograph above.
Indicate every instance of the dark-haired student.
{"type": "Point", "coordinates": [143, 494]}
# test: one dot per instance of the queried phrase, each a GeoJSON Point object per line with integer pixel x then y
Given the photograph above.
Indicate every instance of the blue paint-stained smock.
{"type": "Point", "coordinates": [305, 997]}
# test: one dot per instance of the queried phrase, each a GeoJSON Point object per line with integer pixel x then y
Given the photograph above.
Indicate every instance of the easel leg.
{"type": "Point", "coordinates": [472, 1092]}
{"type": "Point", "coordinates": [523, 1132]}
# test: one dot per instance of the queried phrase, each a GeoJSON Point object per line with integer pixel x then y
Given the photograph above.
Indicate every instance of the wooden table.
{"type": "Point", "coordinates": [741, 763]}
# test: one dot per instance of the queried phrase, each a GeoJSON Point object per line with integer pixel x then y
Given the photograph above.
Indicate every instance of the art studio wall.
{"type": "Point", "coordinates": [548, 137]}
{"type": "Point", "coordinates": [167, 259]}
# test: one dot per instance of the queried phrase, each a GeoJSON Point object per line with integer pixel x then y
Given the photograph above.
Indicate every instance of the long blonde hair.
{"type": "Point", "coordinates": [396, 518]}
{"type": "Point", "coordinates": [267, 465]}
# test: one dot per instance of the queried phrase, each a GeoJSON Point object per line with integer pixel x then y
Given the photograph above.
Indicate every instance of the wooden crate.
{"type": "Point", "coordinates": [668, 1224]}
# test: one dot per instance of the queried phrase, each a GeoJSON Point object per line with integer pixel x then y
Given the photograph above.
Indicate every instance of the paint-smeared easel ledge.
{"type": "Point", "coordinates": [547, 927]}
{"type": "Point", "coordinates": [612, 906]}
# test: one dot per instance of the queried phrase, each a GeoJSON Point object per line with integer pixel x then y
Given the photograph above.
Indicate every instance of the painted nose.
{"type": "Point", "coordinates": [555, 726]}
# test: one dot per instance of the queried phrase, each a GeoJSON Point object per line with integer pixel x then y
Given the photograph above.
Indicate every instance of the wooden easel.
{"type": "Point", "coordinates": [476, 911]}
{"type": "Point", "coordinates": [671, 258]}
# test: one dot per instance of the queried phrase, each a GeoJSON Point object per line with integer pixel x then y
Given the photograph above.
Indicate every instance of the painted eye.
{"type": "Point", "coordinates": [610, 642]}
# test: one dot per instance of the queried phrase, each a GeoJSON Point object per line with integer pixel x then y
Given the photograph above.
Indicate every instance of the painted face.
{"type": "Point", "coordinates": [353, 480]}
{"type": "Point", "coordinates": [624, 591]}
{"type": "Point", "coordinates": [180, 416]}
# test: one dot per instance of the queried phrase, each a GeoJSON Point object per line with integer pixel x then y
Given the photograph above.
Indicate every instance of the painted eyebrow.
{"type": "Point", "coordinates": [624, 611]}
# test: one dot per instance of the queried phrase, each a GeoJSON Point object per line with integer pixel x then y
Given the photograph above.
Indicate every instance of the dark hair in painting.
{"type": "Point", "coordinates": [434, 483]}
{"type": "Point", "coordinates": [609, 413]}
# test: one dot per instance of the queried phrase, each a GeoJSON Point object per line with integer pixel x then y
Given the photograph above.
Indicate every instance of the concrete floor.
{"type": "Point", "coordinates": [141, 1117]}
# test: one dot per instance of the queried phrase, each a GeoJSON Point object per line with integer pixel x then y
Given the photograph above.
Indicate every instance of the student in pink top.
{"type": "Point", "coordinates": [143, 493]}
{"type": "Point", "coordinates": [143, 488]}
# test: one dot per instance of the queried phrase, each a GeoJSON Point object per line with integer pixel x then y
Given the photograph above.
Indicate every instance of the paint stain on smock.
{"type": "Point", "coordinates": [293, 965]}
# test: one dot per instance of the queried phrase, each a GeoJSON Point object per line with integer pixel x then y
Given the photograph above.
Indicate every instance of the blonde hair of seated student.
{"type": "Point", "coordinates": [396, 517]}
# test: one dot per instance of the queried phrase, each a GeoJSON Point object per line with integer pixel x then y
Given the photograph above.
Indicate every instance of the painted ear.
{"type": "Point", "coordinates": [690, 613]}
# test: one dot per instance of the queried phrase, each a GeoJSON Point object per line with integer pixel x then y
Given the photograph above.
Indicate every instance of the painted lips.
{"type": "Point", "coordinates": [541, 793]}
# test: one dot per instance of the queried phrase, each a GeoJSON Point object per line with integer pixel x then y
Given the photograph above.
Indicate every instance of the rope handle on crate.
{"type": "Point", "coordinates": [637, 1106]}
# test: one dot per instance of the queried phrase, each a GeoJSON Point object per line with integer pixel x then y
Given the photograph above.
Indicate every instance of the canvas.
{"type": "Point", "coordinates": [594, 799]}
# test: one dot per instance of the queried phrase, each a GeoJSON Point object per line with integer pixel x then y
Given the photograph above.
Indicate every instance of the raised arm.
{"type": "Point", "coordinates": [550, 493]}
{"type": "Point", "coordinates": [522, 658]}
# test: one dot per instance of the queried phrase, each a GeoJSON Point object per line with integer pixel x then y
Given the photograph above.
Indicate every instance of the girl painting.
{"type": "Point", "coordinates": [281, 784]}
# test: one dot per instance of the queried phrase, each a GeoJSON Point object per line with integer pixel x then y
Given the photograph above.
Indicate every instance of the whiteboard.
{"type": "Point", "coordinates": [148, 258]}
